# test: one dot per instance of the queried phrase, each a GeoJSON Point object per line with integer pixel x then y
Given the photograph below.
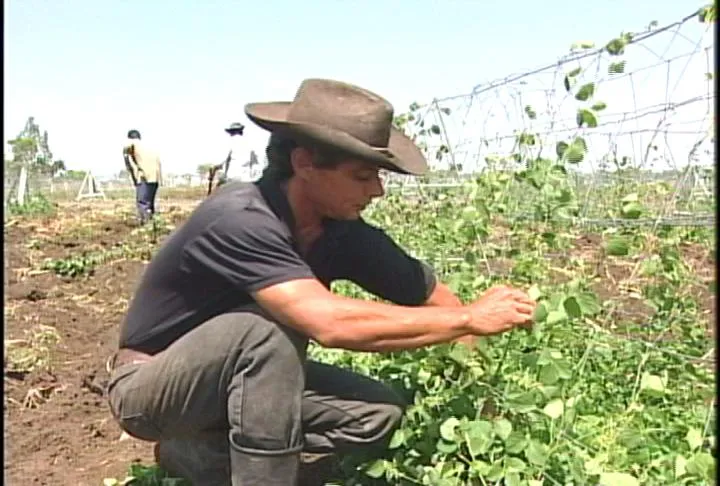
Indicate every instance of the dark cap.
{"type": "Point", "coordinates": [235, 128]}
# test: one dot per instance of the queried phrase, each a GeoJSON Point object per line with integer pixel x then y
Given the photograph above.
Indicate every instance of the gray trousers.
{"type": "Point", "coordinates": [239, 396]}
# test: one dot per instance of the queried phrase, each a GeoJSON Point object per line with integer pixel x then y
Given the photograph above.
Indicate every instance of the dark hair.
{"type": "Point", "coordinates": [134, 134]}
{"type": "Point", "coordinates": [278, 152]}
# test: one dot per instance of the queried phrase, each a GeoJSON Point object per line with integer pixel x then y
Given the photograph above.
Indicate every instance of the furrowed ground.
{"type": "Point", "coordinates": [614, 386]}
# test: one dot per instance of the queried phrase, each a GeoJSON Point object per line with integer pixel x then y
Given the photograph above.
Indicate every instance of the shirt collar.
{"type": "Point", "coordinates": [276, 198]}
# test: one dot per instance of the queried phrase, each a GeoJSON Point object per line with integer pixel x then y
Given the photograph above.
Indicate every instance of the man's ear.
{"type": "Point", "coordinates": [301, 159]}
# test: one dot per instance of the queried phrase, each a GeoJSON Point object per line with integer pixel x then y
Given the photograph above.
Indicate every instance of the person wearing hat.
{"type": "Point", "coordinates": [212, 361]}
{"type": "Point", "coordinates": [221, 170]}
{"type": "Point", "coordinates": [145, 170]}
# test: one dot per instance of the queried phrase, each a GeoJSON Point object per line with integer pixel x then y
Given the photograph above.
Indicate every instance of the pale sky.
{"type": "Point", "coordinates": [180, 71]}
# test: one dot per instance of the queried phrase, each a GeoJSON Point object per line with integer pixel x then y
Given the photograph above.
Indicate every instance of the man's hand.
{"type": "Point", "coordinates": [501, 309]}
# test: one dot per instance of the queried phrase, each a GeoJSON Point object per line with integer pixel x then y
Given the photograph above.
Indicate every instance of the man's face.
{"type": "Point", "coordinates": [345, 190]}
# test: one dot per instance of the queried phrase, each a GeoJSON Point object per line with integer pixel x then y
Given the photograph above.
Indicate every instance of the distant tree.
{"type": "Point", "coordinates": [31, 149]}
{"type": "Point", "coordinates": [204, 169]}
{"type": "Point", "coordinates": [73, 175]}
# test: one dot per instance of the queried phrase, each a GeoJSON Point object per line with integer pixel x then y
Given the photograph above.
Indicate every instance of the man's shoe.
{"type": "Point", "coordinates": [198, 461]}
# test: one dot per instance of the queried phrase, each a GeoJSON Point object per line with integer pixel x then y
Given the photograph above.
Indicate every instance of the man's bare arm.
{"type": "Point", "coordinates": [443, 296]}
{"type": "Point", "coordinates": [339, 322]}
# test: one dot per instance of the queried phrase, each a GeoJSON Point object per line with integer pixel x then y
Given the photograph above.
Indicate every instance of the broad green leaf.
{"type": "Point", "coordinates": [480, 467]}
{"type": "Point", "coordinates": [541, 313]}
{"type": "Point", "coordinates": [548, 374]}
{"type": "Point", "coordinates": [556, 316]}
{"type": "Point", "coordinates": [447, 429]}
{"type": "Point", "coordinates": [580, 143]}
{"type": "Point", "coordinates": [618, 479]}
{"type": "Point", "coordinates": [618, 246]}
{"type": "Point", "coordinates": [534, 292]}
{"type": "Point", "coordinates": [574, 154]}
{"type": "Point", "coordinates": [572, 307]}
{"type": "Point", "coordinates": [694, 438]}
{"type": "Point", "coordinates": [565, 196]}
{"type": "Point", "coordinates": [469, 213]}
{"type": "Point", "coordinates": [398, 439]}
{"type": "Point", "coordinates": [707, 14]}
{"type": "Point", "coordinates": [583, 45]}
{"type": "Point", "coordinates": [589, 303]}
{"type": "Point", "coordinates": [594, 466]}
{"type": "Point", "coordinates": [585, 92]}
{"type": "Point", "coordinates": [530, 112]}
{"type": "Point", "coordinates": [632, 210]}
{"type": "Point", "coordinates": [479, 437]}
{"type": "Point", "coordinates": [617, 67]}
{"type": "Point", "coordinates": [512, 479]}
{"type": "Point", "coordinates": [376, 469]}
{"type": "Point", "coordinates": [586, 118]}
{"type": "Point", "coordinates": [577, 470]}
{"type": "Point", "coordinates": [514, 464]}
{"type": "Point", "coordinates": [599, 106]}
{"type": "Point", "coordinates": [563, 368]}
{"type": "Point", "coordinates": [680, 466]}
{"type": "Point", "coordinates": [652, 383]}
{"type": "Point", "coordinates": [496, 471]}
{"type": "Point", "coordinates": [516, 443]}
{"type": "Point", "coordinates": [435, 130]}
{"type": "Point", "coordinates": [616, 46]}
{"type": "Point", "coordinates": [701, 464]}
{"type": "Point", "coordinates": [574, 72]}
{"type": "Point", "coordinates": [554, 409]}
{"type": "Point", "coordinates": [446, 447]}
{"type": "Point", "coordinates": [536, 453]}
{"type": "Point", "coordinates": [503, 428]}
{"type": "Point", "coordinates": [522, 403]}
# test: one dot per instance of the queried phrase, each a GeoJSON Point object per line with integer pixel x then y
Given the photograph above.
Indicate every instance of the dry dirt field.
{"type": "Point", "coordinates": [58, 333]}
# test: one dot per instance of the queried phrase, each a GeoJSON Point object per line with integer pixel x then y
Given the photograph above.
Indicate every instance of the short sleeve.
{"type": "Point", "coordinates": [250, 249]}
{"type": "Point", "coordinates": [379, 265]}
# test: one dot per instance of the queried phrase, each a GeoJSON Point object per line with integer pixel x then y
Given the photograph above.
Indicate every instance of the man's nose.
{"type": "Point", "coordinates": [376, 187]}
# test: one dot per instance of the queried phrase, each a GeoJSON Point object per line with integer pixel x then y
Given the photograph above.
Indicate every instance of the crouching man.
{"type": "Point", "coordinates": [212, 354]}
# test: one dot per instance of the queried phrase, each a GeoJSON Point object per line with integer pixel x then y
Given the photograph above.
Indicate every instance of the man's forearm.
{"type": "Point", "coordinates": [372, 326]}
{"type": "Point", "coordinates": [443, 296]}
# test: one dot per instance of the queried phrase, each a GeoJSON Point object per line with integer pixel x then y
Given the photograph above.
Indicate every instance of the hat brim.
{"type": "Point", "coordinates": [401, 155]}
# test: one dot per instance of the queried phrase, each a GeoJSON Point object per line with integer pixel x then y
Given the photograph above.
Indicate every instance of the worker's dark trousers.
{"type": "Point", "coordinates": [236, 402]}
{"type": "Point", "coordinates": [145, 193]}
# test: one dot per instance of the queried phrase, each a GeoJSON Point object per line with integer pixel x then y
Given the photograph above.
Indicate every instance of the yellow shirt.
{"type": "Point", "coordinates": [143, 159]}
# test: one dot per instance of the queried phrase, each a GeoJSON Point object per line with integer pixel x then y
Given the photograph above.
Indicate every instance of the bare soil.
{"type": "Point", "coordinates": [58, 427]}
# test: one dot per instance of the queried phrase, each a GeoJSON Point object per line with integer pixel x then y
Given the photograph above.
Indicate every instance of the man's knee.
{"type": "Point", "coordinates": [388, 415]}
